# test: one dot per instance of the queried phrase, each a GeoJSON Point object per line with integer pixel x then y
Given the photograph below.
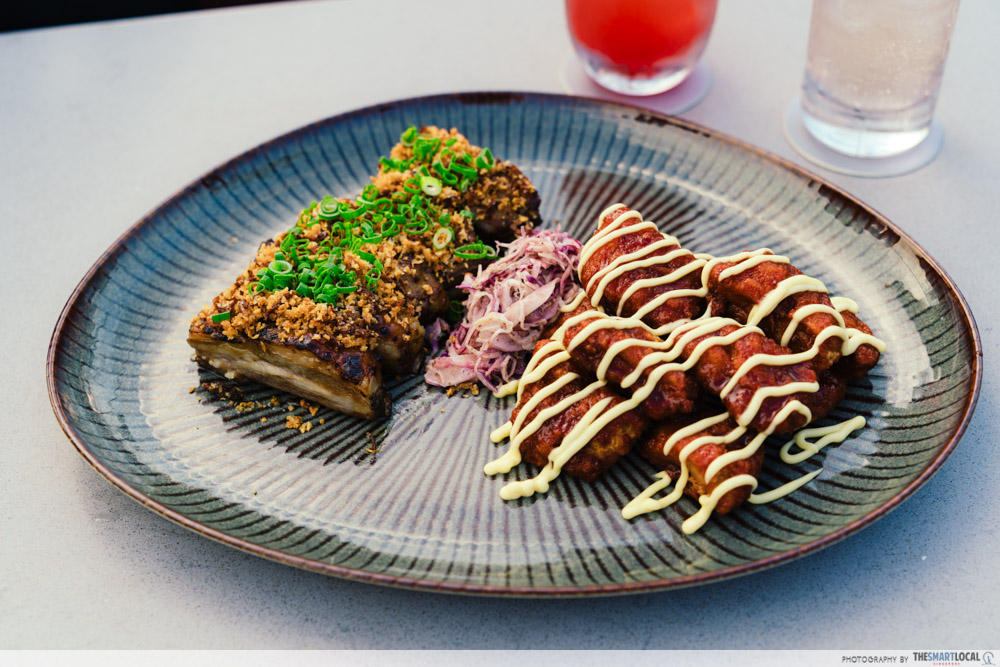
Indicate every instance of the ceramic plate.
{"type": "Point", "coordinates": [403, 501]}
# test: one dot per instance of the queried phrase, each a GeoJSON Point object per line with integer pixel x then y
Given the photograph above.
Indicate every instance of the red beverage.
{"type": "Point", "coordinates": [640, 46]}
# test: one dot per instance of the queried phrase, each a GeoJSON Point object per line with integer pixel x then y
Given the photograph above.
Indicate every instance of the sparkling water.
{"type": "Point", "coordinates": [873, 72]}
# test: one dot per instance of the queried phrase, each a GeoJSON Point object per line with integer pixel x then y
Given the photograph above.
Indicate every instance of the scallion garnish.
{"type": "Point", "coordinates": [431, 186]}
{"type": "Point", "coordinates": [485, 159]}
{"type": "Point", "coordinates": [329, 208]}
{"type": "Point", "coordinates": [425, 147]}
{"type": "Point", "coordinates": [456, 311]}
{"type": "Point", "coordinates": [464, 170]}
{"type": "Point", "coordinates": [221, 317]}
{"type": "Point", "coordinates": [442, 237]}
{"type": "Point", "coordinates": [417, 227]}
{"type": "Point", "coordinates": [313, 267]}
{"type": "Point", "coordinates": [445, 175]}
{"type": "Point", "coordinates": [477, 250]}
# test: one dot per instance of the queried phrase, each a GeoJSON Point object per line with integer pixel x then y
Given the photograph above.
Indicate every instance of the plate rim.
{"type": "Point", "coordinates": [498, 97]}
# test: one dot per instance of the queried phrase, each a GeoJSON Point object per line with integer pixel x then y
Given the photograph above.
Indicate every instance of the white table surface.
{"type": "Point", "coordinates": [101, 122]}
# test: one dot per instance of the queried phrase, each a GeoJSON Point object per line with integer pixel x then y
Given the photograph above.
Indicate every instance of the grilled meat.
{"type": "Point", "coordinates": [325, 307]}
{"type": "Point", "coordinates": [348, 381]}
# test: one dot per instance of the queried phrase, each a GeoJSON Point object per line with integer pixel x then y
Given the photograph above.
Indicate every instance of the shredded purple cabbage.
{"type": "Point", "coordinates": [509, 304]}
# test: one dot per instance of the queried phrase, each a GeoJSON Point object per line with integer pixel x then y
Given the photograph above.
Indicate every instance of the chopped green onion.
{"type": "Point", "coordinates": [426, 146]}
{"type": "Point", "coordinates": [467, 213]}
{"type": "Point", "coordinates": [417, 227]}
{"type": "Point", "coordinates": [279, 266]}
{"type": "Point", "coordinates": [442, 237]}
{"type": "Point", "coordinates": [451, 142]}
{"type": "Point", "coordinates": [485, 159]}
{"type": "Point", "coordinates": [389, 227]}
{"type": "Point", "coordinates": [477, 250]}
{"type": "Point", "coordinates": [329, 208]}
{"type": "Point", "coordinates": [408, 136]}
{"type": "Point", "coordinates": [221, 317]}
{"type": "Point", "coordinates": [350, 214]}
{"type": "Point", "coordinates": [431, 186]}
{"type": "Point", "coordinates": [464, 170]}
{"type": "Point", "coordinates": [444, 174]}
{"type": "Point", "coordinates": [456, 311]}
{"type": "Point", "coordinates": [412, 185]}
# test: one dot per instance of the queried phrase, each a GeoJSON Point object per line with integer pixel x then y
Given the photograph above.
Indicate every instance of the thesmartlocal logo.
{"type": "Point", "coordinates": [954, 657]}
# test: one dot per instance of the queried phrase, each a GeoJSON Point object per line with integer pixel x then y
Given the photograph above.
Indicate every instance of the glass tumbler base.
{"type": "Point", "coordinates": [685, 95]}
{"type": "Point", "coordinates": [800, 138]}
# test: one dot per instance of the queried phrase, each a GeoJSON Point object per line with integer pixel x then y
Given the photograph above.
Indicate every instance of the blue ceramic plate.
{"type": "Point", "coordinates": [403, 501]}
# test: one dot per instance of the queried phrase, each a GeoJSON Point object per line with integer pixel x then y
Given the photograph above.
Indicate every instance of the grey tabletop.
{"type": "Point", "coordinates": [99, 123]}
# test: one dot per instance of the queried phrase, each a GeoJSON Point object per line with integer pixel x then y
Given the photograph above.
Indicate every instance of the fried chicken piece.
{"type": "Point", "coordinates": [718, 364]}
{"type": "Point", "coordinates": [598, 261]}
{"type": "Point", "coordinates": [832, 389]}
{"type": "Point", "coordinates": [651, 447]}
{"type": "Point", "coordinates": [737, 294]}
{"type": "Point", "coordinates": [856, 366]}
{"type": "Point", "coordinates": [672, 394]}
{"type": "Point", "coordinates": [603, 450]}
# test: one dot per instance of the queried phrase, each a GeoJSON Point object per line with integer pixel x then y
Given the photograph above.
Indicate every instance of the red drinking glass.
{"type": "Point", "coordinates": [639, 47]}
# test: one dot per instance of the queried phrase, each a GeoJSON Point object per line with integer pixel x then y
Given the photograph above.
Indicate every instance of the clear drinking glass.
{"type": "Point", "coordinates": [873, 72]}
{"type": "Point", "coordinates": [639, 47]}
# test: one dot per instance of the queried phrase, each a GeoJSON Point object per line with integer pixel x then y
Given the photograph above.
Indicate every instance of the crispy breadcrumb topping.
{"type": "Point", "coordinates": [384, 273]}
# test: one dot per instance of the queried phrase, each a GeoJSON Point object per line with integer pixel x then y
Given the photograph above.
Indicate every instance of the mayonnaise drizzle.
{"type": "Point", "coordinates": [662, 360]}
{"type": "Point", "coordinates": [826, 434]}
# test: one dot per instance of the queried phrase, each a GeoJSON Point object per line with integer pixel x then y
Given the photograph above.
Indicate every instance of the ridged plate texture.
{"type": "Point", "coordinates": [403, 501]}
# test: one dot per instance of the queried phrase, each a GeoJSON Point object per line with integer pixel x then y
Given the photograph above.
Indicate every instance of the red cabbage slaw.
{"type": "Point", "coordinates": [509, 304]}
